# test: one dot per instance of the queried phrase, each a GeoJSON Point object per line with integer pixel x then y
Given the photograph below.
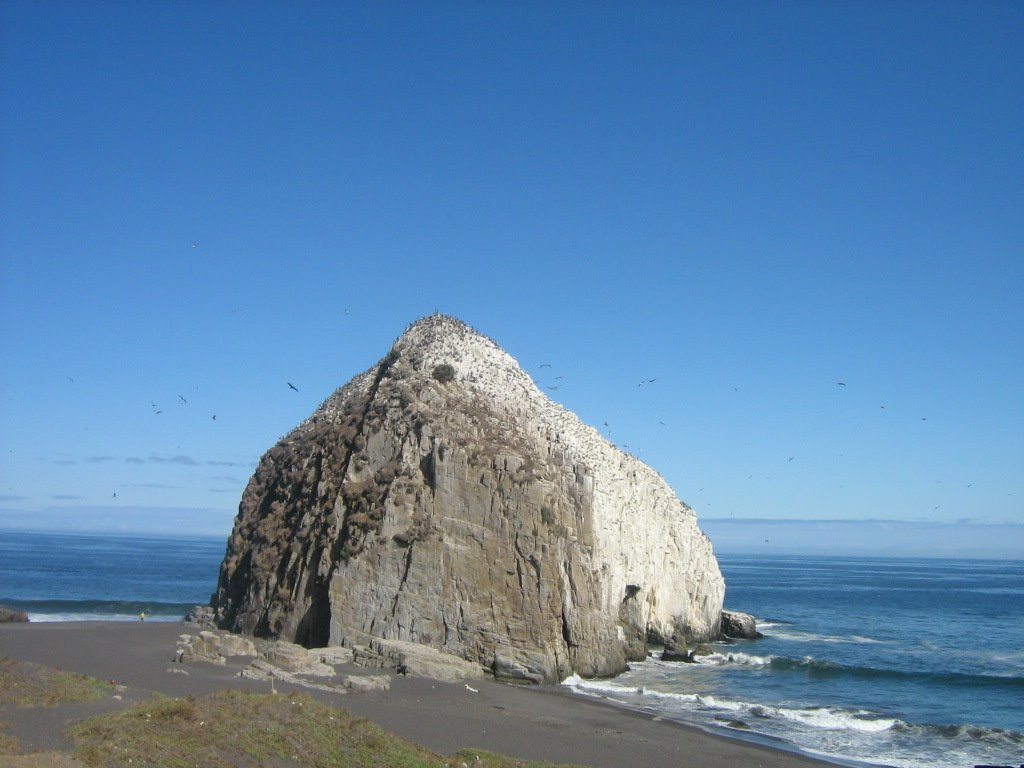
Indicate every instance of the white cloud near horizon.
{"type": "Point", "coordinates": [865, 538]}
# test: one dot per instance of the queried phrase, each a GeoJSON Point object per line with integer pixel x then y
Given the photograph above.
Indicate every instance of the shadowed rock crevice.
{"type": "Point", "coordinates": [440, 498]}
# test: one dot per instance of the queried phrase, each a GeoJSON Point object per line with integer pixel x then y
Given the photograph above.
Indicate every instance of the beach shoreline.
{"type": "Point", "coordinates": [538, 723]}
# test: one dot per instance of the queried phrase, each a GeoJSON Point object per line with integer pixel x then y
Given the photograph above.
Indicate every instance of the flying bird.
{"type": "Point", "coordinates": [545, 365]}
{"type": "Point", "coordinates": [195, 244]}
{"type": "Point", "coordinates": [215, 417]}
{"type": "Point", "coordinates": [292, 386]}
{"type": "Point", "coordinates": [841, 383]}
{"type": "Point", "coordinates": [183, 400]}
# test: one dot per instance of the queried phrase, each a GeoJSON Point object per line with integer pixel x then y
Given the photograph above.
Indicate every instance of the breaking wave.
{"type": "Point", "coordinates": [809, 637]}
{"type": "Point", "coordinates": [997, 737]}
{"type": "Point", "coordinates": [101, 610]}
{"type": "Point", "coordinates": [826, 669]}
{"type": "Point", "coordinates": [735, 659]}
{"type": "Point", "coordinates": [822, 669]}
{"type": "Point", "coordinates": [825, 718]}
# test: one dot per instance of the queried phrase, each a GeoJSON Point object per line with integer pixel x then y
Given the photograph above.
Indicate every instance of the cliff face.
{"type": "Point", "coordinates": [441, 498]}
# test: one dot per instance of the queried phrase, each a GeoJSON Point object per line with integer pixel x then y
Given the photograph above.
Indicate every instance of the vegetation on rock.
{"type": "Point", "coordinates": [444, 373]}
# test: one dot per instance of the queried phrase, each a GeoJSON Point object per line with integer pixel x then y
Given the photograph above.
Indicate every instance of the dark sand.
{"type": "Point", "coordinates": [539, 723]}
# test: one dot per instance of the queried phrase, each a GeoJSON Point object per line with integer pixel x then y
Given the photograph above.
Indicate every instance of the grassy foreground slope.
{"type": "Point", "coordinates": [227, 728]}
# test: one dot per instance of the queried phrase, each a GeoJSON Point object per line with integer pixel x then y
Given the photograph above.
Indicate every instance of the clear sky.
{"type": "Point", "coordinates": [747, 202]}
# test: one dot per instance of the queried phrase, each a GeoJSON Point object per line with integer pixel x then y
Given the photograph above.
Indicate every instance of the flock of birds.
{"type": "Point", "coordinates": [157, 409]}
{"type": "Point", "coordinates": [555, 385]}
{"type": "Point", "coordinates": [558, 380]}
{"type": "Point", "coordinates": [182, 400]}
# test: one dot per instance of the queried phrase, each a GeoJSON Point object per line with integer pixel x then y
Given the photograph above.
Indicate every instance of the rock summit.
{"type": "Point", "coordinates": [441, 498]}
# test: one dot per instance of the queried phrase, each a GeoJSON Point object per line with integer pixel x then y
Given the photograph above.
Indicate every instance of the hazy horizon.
{"type": "Point", "coordinates": [729, 536]}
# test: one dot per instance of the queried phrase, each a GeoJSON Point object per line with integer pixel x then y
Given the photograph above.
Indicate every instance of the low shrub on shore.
{"type": "Point", "coordinates": [25, 684]}
{"type": "Point", "coordinates": [8, 744]}
{"type": "Point", "coordinates": [12, 614]}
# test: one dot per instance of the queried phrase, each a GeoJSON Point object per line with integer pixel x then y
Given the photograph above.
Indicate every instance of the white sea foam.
{"type": "Point", "coordinates": [43, 618]}
{"type": "Point", "coordinates": [599, 686]}
{"type": "Point", "coordinates": [686, 698]}
{"type": "Point", "coordinates": [834, 719]}
{"type": "Point", "coordinates": [734, 659]}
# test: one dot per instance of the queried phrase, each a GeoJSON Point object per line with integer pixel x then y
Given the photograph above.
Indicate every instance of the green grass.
{"type": "Point", "coordinates": [25, 684]}
{"type": "Point", "coordinates": [238, 728]}
{"type": "Point", "coordinates": [8, 744]}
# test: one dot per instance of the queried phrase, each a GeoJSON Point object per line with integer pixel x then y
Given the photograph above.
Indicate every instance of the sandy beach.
{"type": "Point", "coordinates": [541, 723]}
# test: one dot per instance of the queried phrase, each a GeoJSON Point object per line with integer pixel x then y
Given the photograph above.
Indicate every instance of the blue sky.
{"type": "Point", "coordinates": [747, 202]}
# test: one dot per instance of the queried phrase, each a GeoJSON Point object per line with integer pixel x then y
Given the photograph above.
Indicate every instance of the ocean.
{"type": "Point", "coordinates": [908, 663]}
{"type": "Point", "coordinates": [80, 577]}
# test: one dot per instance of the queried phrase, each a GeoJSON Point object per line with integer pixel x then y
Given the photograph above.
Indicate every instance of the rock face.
{"type": "Point", "coordinates": [441, 498]}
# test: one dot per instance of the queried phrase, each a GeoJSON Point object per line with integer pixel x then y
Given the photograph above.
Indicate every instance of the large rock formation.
{"type": "Point", "coordinates": [441, 498]}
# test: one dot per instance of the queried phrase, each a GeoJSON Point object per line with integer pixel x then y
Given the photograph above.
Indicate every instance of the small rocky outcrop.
{"type": "Point", "coordinates": [212, 647]}
{"type": "Point", "coordinates": [202, 616]}
{"type": "Point", "coordinates": [441, 499]}
{"type": "Point", "coordinates": [284, 661]}
{"type": "Point", "coordinates": [738, 625]}
{"type": "Point", "coordinates": [418, 660]}
{"type": "Point", "coordinates": [676, 652]}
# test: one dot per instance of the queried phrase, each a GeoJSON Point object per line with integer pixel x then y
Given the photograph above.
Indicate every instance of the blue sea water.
{"type": "Point", "coordinates": [78, 577]}
{"type": "Point", "coordinates": [907, 663]}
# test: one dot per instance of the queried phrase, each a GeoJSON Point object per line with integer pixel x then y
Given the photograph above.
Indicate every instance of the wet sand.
{"type": "Point", "coordinates": [539, 723]}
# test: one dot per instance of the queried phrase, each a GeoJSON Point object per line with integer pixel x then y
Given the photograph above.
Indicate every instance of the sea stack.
{"type": "Point", "coordinates": [441, 498]}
